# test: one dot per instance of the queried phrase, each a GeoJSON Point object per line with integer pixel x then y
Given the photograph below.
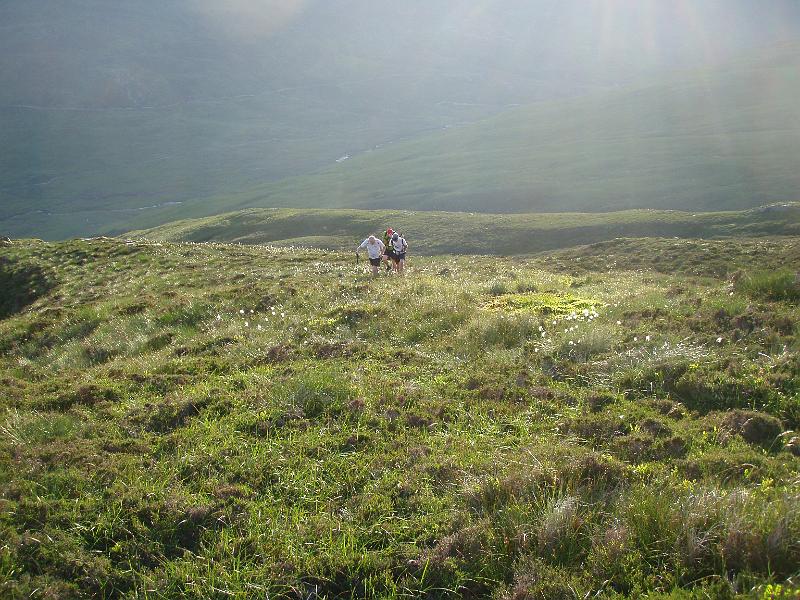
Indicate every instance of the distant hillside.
{"type": "Point", "coordinates": [711, 140]}
{"type": "Point", "coordinates": [432, 233]}
{"type": "Point", "coordinates": [116, 112]}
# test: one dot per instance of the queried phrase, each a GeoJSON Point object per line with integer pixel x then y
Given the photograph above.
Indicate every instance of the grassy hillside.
{"type": "Point", "coordinates": [210, 420]}
{"type": "Point", "coordinates": [114, 109]}
{"type": "Point", "coordinates": [426, 129]}
{"type": "Point", "coordinates": [721, 139]}
{"type": "Point", "coordinates": [432, 233]}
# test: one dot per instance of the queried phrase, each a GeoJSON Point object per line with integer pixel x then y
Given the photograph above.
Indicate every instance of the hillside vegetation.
{"type": "Point", "coordinates": [432, 233]}
{"type": "Point", "coordinates": [223, 421]}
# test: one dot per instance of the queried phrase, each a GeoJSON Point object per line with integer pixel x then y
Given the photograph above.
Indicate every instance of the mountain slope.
{"type": "Point", "coordinates": [727, 138]}
{"type": "Point", "coordinates": [709, 140]}
{"type": "Point", "coordinates": [112, 110]}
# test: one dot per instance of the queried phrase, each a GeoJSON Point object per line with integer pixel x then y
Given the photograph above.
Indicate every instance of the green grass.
{"type": "Point", "coordinates": [772, 285]}
{"type": "Point", "coordinates": [213, 420]}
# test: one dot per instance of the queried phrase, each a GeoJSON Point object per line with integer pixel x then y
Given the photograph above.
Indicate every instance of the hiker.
{"type": "Point", "coordinates": [399, 247]}
{"type": "Point", "coordinates": [388, 256]}
{"type": "Point", "coordinates": [375, 249]}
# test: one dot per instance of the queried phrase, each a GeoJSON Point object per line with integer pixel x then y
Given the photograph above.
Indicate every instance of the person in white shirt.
{"type": "Point", "coordinates": [399, 245]}
{"type": "Point", "coordinates": [375, 250]}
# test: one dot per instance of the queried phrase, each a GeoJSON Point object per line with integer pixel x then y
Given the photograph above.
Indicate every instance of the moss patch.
{"type": "Point", "coordinates": [542, 303]}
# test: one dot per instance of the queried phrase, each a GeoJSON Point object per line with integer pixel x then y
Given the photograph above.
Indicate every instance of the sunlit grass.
{"type": "Point", "coordinates": [261, 421]}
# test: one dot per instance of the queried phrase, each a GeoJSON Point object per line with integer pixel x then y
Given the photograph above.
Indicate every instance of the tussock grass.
{"type": "Point", "coordinates": [267, 421]}
{"type": "Point", "coordinates": [772, 285]}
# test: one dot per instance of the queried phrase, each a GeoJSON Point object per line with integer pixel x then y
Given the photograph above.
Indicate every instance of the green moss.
{"type": "Point", "coordinates": [542, 303]}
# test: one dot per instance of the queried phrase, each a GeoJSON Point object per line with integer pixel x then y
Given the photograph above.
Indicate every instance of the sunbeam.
{"type": "Point", "coordinates": [250, 18]}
